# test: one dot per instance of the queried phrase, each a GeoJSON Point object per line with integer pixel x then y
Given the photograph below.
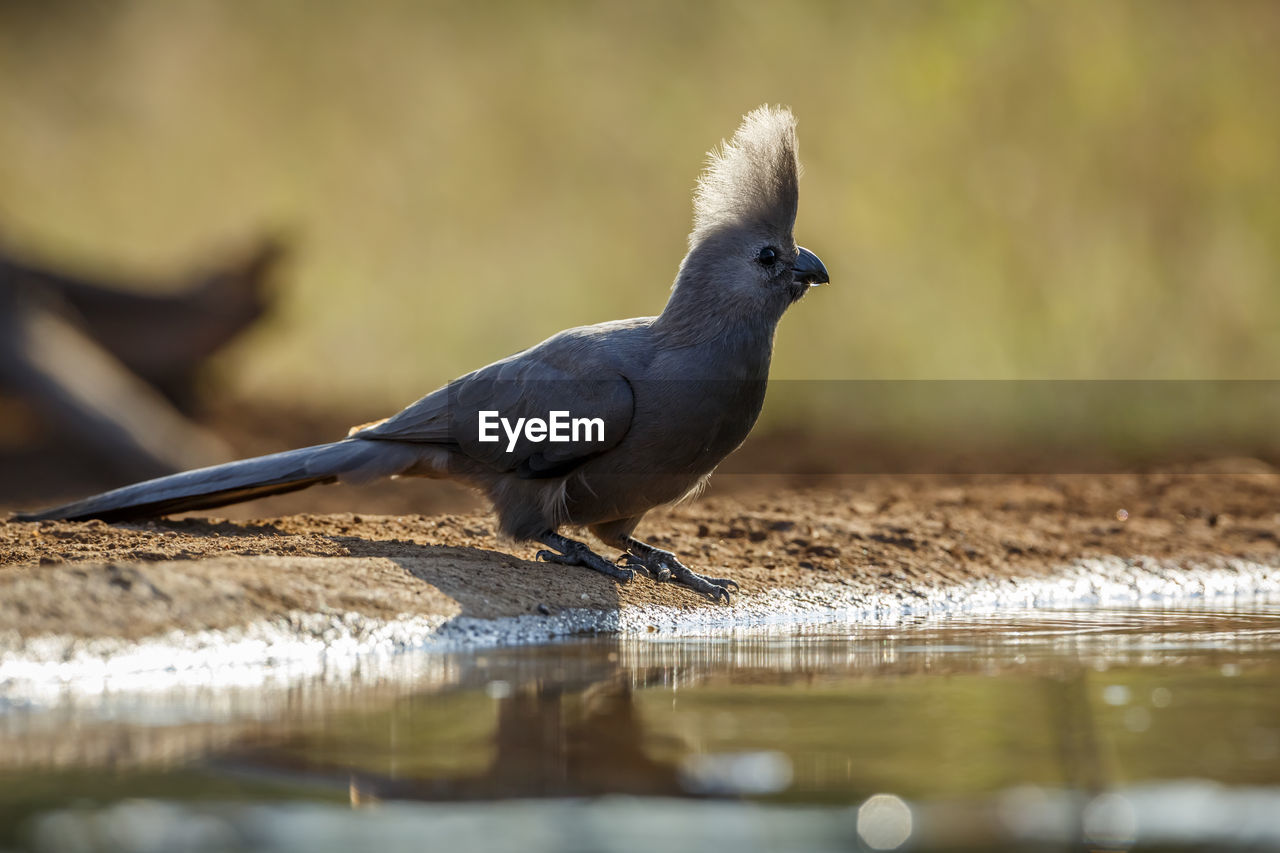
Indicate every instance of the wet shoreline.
{"type": "Point", "coordinates": [300, 645]}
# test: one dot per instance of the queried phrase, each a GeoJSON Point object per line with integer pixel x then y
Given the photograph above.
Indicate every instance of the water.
{"type": "Point", "coordinates": [1155, 728]}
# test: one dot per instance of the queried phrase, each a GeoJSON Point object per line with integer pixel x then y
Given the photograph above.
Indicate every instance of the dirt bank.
{"type": "Point", "coordinates": [872, 535]}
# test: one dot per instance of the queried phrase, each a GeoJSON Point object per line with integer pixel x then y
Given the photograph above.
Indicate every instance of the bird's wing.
{"type": "Point", "coordinates": [580, 382]}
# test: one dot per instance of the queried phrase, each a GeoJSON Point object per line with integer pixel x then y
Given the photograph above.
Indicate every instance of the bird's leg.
{"type": "Point", "coordinates": [663, 566]}
{"type": "Point", "coordinates": [574, 553]}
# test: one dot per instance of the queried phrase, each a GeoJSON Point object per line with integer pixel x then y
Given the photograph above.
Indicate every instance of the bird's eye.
{"type": "Point", "coordinates": [767, 256]}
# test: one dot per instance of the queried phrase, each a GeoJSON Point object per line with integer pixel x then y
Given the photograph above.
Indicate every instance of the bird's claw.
{"type": "Point", "coordinates": [665, 568]}
{"type": "Point", "coordinates": [716, 588]}
{"type": "Point", "coordinates": [588, 559]}
{"type": "Point", "coordinates": [659, 571]}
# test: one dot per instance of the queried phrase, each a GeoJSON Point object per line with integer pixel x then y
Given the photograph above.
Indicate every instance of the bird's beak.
{"type": "Point", "coordinates": [808, 269]}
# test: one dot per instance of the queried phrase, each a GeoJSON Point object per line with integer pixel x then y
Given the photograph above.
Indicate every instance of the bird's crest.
{"type": "Point", "coordinates": [752, 178]}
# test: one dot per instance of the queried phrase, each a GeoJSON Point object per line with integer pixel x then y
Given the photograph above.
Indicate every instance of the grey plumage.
{"type": "Point", "coordinates": [677, 392]}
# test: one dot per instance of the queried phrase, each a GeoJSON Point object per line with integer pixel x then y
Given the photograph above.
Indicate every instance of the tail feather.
{"type": "Point", "coordinates": [220, 485]}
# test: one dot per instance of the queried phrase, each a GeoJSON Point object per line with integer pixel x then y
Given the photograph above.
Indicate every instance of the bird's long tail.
{"type": "Point", "coordinates": [352, 459]}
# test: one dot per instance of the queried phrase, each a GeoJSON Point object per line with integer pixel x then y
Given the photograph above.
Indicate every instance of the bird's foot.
{"type": "Point", "coordinates": [652, 568]}
{"type": "Point", "coordinates": [572, 553]}
{"type": "Point", "coordinates": [663, 566]}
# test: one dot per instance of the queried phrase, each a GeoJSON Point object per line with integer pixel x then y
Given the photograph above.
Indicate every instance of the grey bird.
{"type": "Point", "coordinates": [676, 393]}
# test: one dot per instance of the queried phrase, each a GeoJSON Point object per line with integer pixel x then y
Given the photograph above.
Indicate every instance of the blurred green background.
{"type": "Point", "coordinates": [1000, 189]}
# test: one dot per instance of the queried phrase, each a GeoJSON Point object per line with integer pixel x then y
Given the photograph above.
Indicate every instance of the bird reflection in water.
{"type": "Point", "coordinates": [550, 740]}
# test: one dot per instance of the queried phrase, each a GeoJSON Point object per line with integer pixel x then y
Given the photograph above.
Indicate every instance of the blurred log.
{"type": "Point", "coordinates": [164, 336]}
{"type": "Point", "coordinates": [90, 398]}
{"type": "Point", "coordinates": [108, 367]}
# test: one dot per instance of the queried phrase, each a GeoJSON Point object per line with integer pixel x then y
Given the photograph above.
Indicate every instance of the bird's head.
{"type": "Point", "coordinates": [742, 249]}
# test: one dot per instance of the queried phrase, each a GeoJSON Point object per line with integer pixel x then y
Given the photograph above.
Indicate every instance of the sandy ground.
{"type": "Point", "coordinates": [873, 535]}
{"type": "Point", "coordinates": [427, 551]}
